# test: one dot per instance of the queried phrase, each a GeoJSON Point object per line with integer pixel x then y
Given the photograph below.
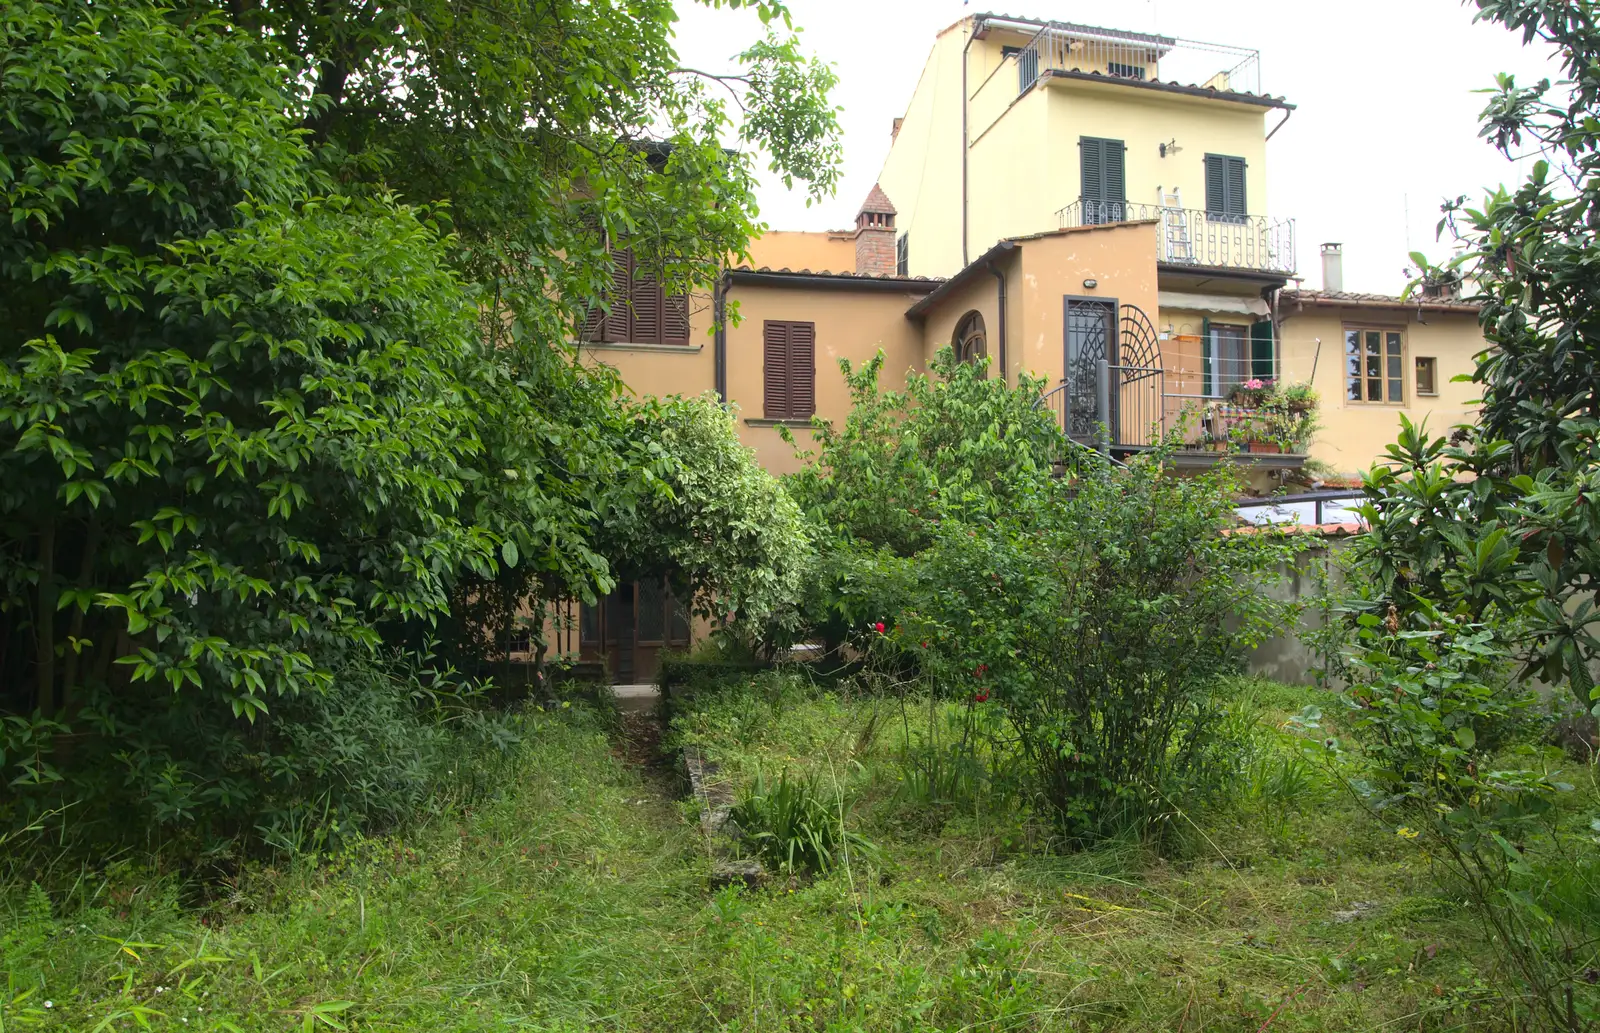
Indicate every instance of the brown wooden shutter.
{"type": "Point", "coordinates": [619, 322]}
{"type": "Point", "coordinates": [676, 330]}
{"type": "Point", "coordinates": [593, 323]}
{"type": "Point", "coordinates": [649, 308]}
{"type": "Point", "coordinates": [802, 370]}
{"type": "Point", "coordinates": [775, 369]}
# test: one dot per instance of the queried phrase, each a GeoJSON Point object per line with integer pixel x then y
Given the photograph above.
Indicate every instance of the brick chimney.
{"type": "Point", "coordinates": [875, 235]}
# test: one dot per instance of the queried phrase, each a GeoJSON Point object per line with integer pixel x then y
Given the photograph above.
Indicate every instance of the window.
{"type": "Point", "coordinates": [970, 342]}
{"type": "Point", "coordinates": [640, 312]}
{"type": "Point", "coordinates": [902, 255]}
{"type": "Point", "coordinates": [1105, 189]}
{"type": "Point", "coordinates": [1372, 366]}
{"type": "Point", "coordinates": [789, 372]}
{"type": "Point", "coordinates": [1225, 195]}
{"type": "Point", "coordinates": [1427, 375]}
{"type": "Point", "coordinates": [1225, 358]}
{"type": "Point", "coordinates": [1126, 71]}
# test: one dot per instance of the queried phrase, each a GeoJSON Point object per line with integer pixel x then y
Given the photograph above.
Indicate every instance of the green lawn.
{"type": "Point", "coordinates": [578, 901]}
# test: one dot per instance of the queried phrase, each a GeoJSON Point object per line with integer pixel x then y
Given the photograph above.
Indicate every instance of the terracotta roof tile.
{"type": "Point", "coordinates": [785, 271]}
{"type": "Point", "coordinates": [1357, 298]}
{"type": "Point", "coordinates": [877, 202]}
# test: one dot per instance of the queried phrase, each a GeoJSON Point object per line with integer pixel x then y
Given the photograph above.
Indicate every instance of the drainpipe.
{"type": "Point", "coordinates": [1000, 279]}
{"type": "Point", "coordinates": [1286, 113]}
{"type": "Point", "coordinates": [972, 32]}
{"type": "Point", "coordinates": [719, 342]}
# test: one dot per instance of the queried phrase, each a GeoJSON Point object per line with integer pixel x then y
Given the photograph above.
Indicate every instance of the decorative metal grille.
{"type": "Point", "coordinates": [1090, 340]}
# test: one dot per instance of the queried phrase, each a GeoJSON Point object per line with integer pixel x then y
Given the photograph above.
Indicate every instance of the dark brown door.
{"type": "Point", "coordinates": [630, 629]}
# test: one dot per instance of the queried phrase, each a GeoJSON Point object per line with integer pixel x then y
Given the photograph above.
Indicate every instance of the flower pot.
{"type": "Point", "coordinates": [1266, 447]}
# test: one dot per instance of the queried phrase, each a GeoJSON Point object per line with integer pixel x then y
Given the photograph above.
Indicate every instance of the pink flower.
{"type": "Point", "coordinates": [1254, 384]}
{"type": "Point", "coordinates": [878, 627]}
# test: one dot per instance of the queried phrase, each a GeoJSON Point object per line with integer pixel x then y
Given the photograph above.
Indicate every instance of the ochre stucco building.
{"type": "Point", "coordinates": [1083, 204]}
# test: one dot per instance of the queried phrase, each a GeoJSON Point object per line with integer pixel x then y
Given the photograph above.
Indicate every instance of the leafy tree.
{"type": "Point", "coordinates": [1485, 547]}
{"type": "Point", "coordinates": [1526, 477]}
{"type": "Point", "coordinates": [257, 409]}
{"type": "Point", "coordinates": [236, 431]}
{"type": "Point", "coordinates": [724, 528]}
{"type": "Point", "coordinates": [552, 131]}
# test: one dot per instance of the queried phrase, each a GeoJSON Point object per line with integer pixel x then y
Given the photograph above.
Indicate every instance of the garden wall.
{"type": "Point", "coordinates": [1286, 657]}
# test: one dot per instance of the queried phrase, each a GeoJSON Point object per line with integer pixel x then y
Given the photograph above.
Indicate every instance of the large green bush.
{"type": "Point", "coordinates": [1090, 605]}
{"type": "Point", "coordinates": [1098, 617]}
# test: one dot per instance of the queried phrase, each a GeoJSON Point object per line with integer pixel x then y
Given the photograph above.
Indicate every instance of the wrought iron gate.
{"type": "Point", "coordinates": [1113, 382]}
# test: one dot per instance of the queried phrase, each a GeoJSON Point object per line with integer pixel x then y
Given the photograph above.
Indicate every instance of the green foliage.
{"type": "Point", "coordinates": [1095, 615]}
{"type": "Point", "coordinates": [722, 525]}
{"type": "Point", "coordinates": [1431, 709]}
{"type": "Point", "coordinates": [1528, 468]}
{"type": "Point", "coordinates": [955, 444]}
{"type": "Point", "coordinates": [284, 376]}
{"type": "Point", "coordinates": [794, 828]}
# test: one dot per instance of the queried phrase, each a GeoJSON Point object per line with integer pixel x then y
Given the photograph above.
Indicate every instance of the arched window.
{"type": "Point", "coordinates": [970, 342]}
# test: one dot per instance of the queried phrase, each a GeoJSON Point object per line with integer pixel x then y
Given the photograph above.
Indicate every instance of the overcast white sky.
{"type": "Point", "coordinates": [1387, 119]}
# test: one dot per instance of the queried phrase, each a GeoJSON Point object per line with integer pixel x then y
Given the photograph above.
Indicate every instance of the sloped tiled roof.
{"type": "Point", "coordinates": [767, 270]}
{"type": "Point", "coordinates": [1357, 299]}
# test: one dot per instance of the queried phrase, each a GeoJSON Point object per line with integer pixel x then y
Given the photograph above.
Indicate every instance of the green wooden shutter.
{"type": "Point", "coordinates": [1206, 387]}
{"type": "Point", "coordinates": [1102, 164]}
{"type": "Point", "coordinates": [1235, 179]}
{"type": "Point", "coordinates": [1115, 181]}
{"type": "Point", "coordinates": [1216, 185]}
{"type": "Point", "coordinates": [1261, 350]}
{"type": "Point", "coordinates": [1225, 187]}
{"type": "Point", "coordinates": [1092, 168]}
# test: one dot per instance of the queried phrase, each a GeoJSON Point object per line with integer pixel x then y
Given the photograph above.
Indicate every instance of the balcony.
{"type": "Point", "coordinates": [1196, 237]}
{"type": "Point", "coordinates": [1136, 58]}
{"type": "Point", "coordinates": [1125, 391]}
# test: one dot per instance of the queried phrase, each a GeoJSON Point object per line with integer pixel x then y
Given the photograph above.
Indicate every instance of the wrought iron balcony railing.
{"type": "Point", "coordinates": [1124, 392]}
{"type": "Point", "coordinates": [1194, 236]}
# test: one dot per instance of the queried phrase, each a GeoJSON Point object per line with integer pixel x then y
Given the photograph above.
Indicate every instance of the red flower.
{"type": "Point", "coordinates": [980, 670]}
{"type": "Point", "coordinates": [878, 627]}
{"type": "Point", "coordinates": [924, 645]}
{"type": "Point", "coordinates": [981, 696]}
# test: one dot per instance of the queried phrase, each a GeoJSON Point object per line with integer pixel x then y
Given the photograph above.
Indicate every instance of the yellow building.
{"type": "Point", "coordinates": [1082, 204]}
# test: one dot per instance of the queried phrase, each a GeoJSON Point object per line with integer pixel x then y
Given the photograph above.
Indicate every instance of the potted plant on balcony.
{"type": "Point", "coordinates": [1296, 398]}
{"type": "Point", "coordinates": [1287, 418]}
{"type": "Point", "coordinates": [1250, 394]}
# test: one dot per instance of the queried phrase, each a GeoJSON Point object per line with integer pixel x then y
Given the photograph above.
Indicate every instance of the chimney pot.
{"type": "Point", "coordinates": [875, 235]}
{"type": "Point", "coordinates": [1333, 267]}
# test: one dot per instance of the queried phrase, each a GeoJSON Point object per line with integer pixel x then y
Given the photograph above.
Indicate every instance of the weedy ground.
{"type": "Point", "coordinates": [577, 901]}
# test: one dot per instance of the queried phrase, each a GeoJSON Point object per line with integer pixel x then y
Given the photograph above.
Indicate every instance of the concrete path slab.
{"type": "Point", "coordinates": [636, 699]}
